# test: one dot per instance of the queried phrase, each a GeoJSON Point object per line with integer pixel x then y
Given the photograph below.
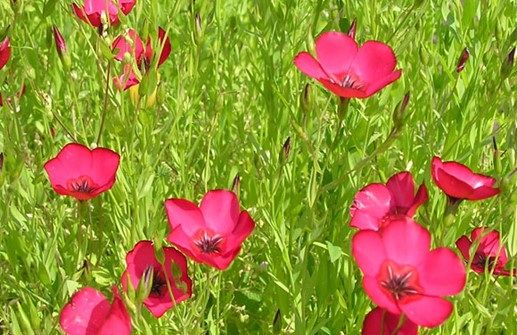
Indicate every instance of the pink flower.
{"type": "Point", "coordinates": [347, 70]}
{"type": "Point", "coordinates": [459, 182]}
{"type": "Point", "coordinates": [463, 60]}
{"type": "Point", "coordinates": [82, 173]}
{"type": "Point", "coordinates": [375, 321]}
{"type": "Point", "coordinates": [90, 313]}
{"type": "Point", "coordinates": [211, 233]}
{"type": "Point", "coordinates": [403, 276]}
{"type": "Point", "coordinates": [143, 57]}
{"type": "Point", "coordinates": [92, 10]}
{"type": "Point", "coordinates": [489, 254]}
{"type": "Point", "coordinates": [141, 260]}
{"type": "Point", "coordinates": [5, 52]}
{"type": "Point", "coordinates": [375, 204]}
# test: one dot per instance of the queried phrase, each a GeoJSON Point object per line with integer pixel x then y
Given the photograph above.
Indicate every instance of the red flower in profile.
{"type": "Point", "coordinates": [211, 233]}
{"type": "Point", "coordinates": [141, 260]}
{"type": "Point", "coordinates": [5, 52]}
{"type": "Point", "coordinates": [90, 313]}
{"type": "Point", "coordinates": [375, 204]}
{"type": "Point", "coordinates": [82, 173]}
{"type": "Point", "coordinates": [402, 275]}
{"type": "Point", "coordinates": [143, 57]}
{"type": "Point", "coordinates": [380, 318]}
{"type": "Point", "coordinates": [489, 254]}
{"type": "Point", "coordinates": [459, 182]}
{"type": "Point", "coordinates": [347, 70]}
{"type": "Point", "coordinates": [92, 10]}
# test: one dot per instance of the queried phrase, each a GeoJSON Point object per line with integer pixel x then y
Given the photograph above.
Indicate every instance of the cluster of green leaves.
{"type": "Point", "coordinates": [230, 97]}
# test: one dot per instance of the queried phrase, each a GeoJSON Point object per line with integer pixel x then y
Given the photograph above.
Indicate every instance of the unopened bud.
{"type": "Point", "coordinates": [199, 27]}
{"type": "Point", "coordinates": [497, 154]}
{"type": "Point", "coordinates": [352, 29]}
{"type": "Point", "coordinates": [463, 60]}
{"type": "Point", "coordinates": [145, 284]}
{"type": "Point", "coordinates": [506, 67]}
{"type": "Point", "coordinates": [305, 99]}
{"type": "Point", "coordinates": [236, 183]}
{"type": "Point", "coordinates": [398, 113]}
{"type": "Point", "coordinates": [286, 148]}
{"type": "Point", "coordinates": [1, 161]}
{"type": "Point", "coordinates": [61, 48]}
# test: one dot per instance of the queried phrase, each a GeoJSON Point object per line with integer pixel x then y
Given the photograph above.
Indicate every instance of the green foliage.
{"type": "Point", "coordinates": [230, 99]}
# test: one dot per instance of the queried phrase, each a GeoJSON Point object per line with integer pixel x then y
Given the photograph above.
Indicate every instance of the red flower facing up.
{"type": "Point", "coordinates": [347, 70]}
{"type": "Point", "coordinates": [82, 173]}
{"type": "Point", "coordinates": [143, 57]}
{"type": "Point", "coordinates": [402, 275]}
{"type": "Point", "coordinates": [378, 324]}
{"type": "Point", "coordinates": [375, 204]}
{"type": "Point", "coordinates": [92, 10]}
{"type": "Point", "coordinates": [90, 313]}
{"type": "Point", "coordinates": [211, 233]}
{"type": "Point", "coordinates": [5, 52]}
{"type": "Point", "coordinates": [459, 182]}
{"type": "Point", "coordinates": [141, 260]}
{"type": "Point", "coordinates": [489, 254]}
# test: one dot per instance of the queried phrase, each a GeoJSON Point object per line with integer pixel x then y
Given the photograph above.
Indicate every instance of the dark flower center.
{"type": "Point", "coordinates": [209, 244]}
{"type": "Point", "coordinates": [399, 282]}
{"type": "Point", "coordinates": [481, 260]}
{"type": "Point", "coordinates": [82, 184]}
{"type": "Point", "coordinates": [159, 284]}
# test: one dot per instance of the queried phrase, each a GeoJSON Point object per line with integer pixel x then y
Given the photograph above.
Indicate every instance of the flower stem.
{"type": "Point", "coordinates": [105, 108]}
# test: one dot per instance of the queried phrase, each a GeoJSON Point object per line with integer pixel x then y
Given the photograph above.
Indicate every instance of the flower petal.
{"type": "Point", "coordinates": [118, 320]}
{"type": "Point", "coordinates": [427, 311]}
{"type": "Point", "coordinates": [443, 273]}
{"type": "Point", "coordinates": [5, 52]}
{"type": "Point", "coordinates": [85, 313]}
{"type": "Point", "coordinates": [185, 214]}
{"type": "Point", "coordinates": [374, 321]}
{"type": "Point", "coordinates": [309, 66]}
{"type": "Point", "coordinates": [374, 60]}
{"type": "Point", "coordinates": [368, 250]}
{"type": "Point", "coordinates": [374, 200]}
{"type": "Point", "coordinates": [377, 85]}
{"type": "Point", "coordinates": [374, 291]}
{"type": "Point", "coordinates": [463, 244]}
{"type": "Point", "coordinates": [220, 210]}
{"type": "Point", "coordinates": [336, 52]}
{"type": "Point", "coordinates": [406, 242]}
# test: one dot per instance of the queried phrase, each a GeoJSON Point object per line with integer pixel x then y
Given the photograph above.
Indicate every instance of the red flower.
{"type": "Point", "coordinates": [489, 253]}
{"type": "Point", "coordinates": [347, 70]}
{"type": "Point", "coordinates": [82, 173]}
{"type": "Point", "coordinates": [375, 321]}
{"type": "Point", "coordinates": [90, 313]}
{"type": "Point", "coordinates": [403, 276]}
{"type": "Point", "coordinates": [376, 203]}
{"type": "Point", "coordinates": [211, 233]}
{"type": "Point", "coordinates": [142, 259]}
{"type": "Point", "coordinates": [5, 52]}
{"type": "Point", "coordinates": [459, 182]}
{"type": "Point", "coordinates": [92, 10]}
{"type": "Point", "coordinates": [143, 57]}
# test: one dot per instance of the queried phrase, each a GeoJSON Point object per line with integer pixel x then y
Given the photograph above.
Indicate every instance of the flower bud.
{"type": "Point", "coordinates": [61, 48]}
{"type": "Point", "coordinates": [235, 184]}
{"type": "Point", "coordinates": [352, 29]}
{"type": "Point", "coordinates": [463, 60]}
{"type": "Point", "coordinates": [506, 67]}
{"type": "Point", "coordinates": [305, 101]}
{"type": "Point", "coordinates": [199, 27]}
{"type": "Point", "coordinates": [145, 284]}
{"type": "Point", "coordinates": [286, 148]}
{"type": "Point", "coordinates": [398, 113]}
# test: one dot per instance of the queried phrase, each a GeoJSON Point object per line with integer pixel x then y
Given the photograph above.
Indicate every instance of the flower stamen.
{"type": "Point", "coordinates": [209, 244]}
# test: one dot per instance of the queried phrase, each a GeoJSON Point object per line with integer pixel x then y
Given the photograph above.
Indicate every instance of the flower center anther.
{"type": "Point", "coordinates": [209, 244]}
{"type": "Point", "coordinates": [82, 184]}
{"type": "Point", "coordinates": [399, 283]}
{"type": "Point", "coordinates": [480, 261]}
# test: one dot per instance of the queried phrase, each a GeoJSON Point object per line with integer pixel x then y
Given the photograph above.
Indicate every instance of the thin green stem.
{"type": "Point", "coordinates": [105, 107]}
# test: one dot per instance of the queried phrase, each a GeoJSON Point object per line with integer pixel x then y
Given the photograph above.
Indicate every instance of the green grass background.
{"type": "Point", "coordinates": [229, 99]}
